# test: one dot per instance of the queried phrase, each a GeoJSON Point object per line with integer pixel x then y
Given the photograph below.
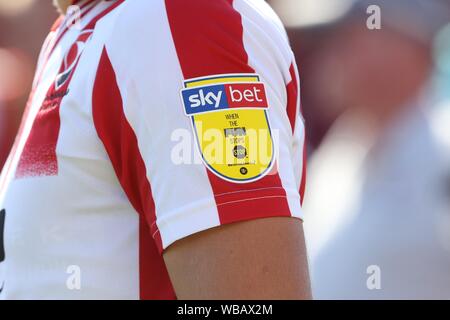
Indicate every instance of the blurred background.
{"type": "Point", "coordinates": [377, 108]}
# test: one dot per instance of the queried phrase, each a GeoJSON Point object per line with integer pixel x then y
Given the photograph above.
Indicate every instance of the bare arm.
{"type": "Point", "coordinates": [259, 259]}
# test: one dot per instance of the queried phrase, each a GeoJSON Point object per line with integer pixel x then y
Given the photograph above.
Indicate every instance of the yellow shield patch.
{"type": "Point", "coordinates": [231, 125]}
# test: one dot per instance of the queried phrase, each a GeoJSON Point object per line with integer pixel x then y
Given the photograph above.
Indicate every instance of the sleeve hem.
{"type": "Point", "coordinates": [191, 220]}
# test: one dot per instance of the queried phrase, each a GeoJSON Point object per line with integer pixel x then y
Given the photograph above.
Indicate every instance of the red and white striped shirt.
{"type": "Point", "coordinates": [100, 179]}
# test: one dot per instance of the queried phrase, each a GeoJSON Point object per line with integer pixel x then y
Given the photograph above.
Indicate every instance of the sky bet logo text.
{"type": "Point", "coordinates": [223, 96]}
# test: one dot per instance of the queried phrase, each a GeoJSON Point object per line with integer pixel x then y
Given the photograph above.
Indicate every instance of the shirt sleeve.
{"type": "Point", "coordinates": [197, 103]}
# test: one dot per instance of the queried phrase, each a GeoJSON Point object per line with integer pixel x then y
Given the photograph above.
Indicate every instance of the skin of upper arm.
{"type": "Point", "coordinates": [261, 259]}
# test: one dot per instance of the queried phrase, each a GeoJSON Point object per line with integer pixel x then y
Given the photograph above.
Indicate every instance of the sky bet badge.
{"type": "Point", "coordinates": [230, 121]}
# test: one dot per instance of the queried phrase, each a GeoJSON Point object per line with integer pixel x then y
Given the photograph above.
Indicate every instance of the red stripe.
{"type": "Point", "coordinates": [205, 48]}
{"type": "Point", "coordinates": [122, 147]}
{"type": "Point", "coordinates": [154, 280]}
{"type": "Point", "coordinates": [292, 97]}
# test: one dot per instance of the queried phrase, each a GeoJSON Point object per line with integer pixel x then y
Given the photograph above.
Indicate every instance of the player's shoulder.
{"type": "Point", "coordinates": [147, 25]}
{"type": "Point", "coordinates": [138, 15]}
{"type": "Point", "coordinates": [258, 9]}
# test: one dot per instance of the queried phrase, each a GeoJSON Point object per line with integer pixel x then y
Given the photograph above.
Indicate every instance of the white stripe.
{"type": "Point", "coordinates": [270, 55]}
{"type": "Point", "coordinates": [299, 136]}
{"type": "Point", "coordinates": [183, 195]}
